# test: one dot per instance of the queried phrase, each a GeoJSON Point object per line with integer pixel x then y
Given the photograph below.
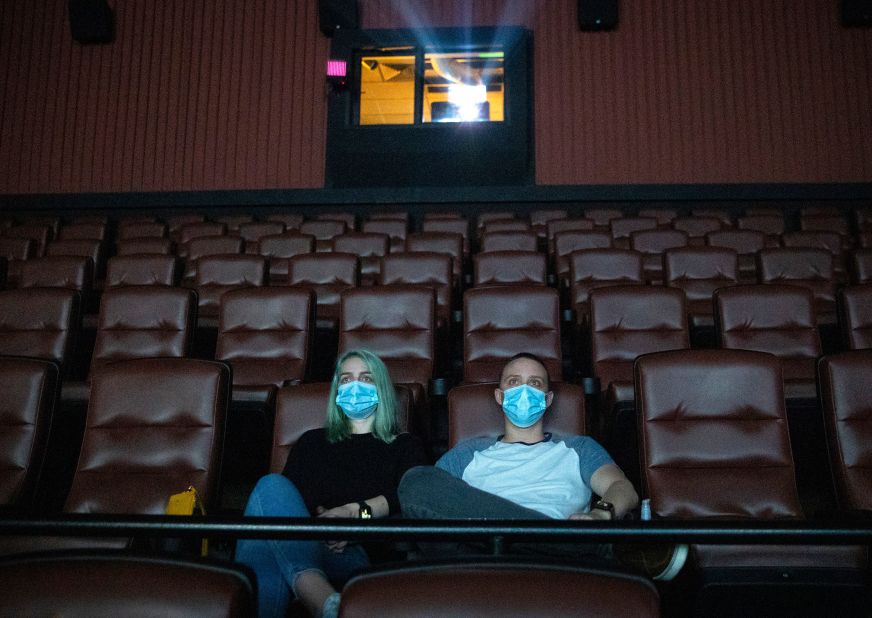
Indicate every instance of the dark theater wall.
{"type": "Point", "coordinates": [203, 95]}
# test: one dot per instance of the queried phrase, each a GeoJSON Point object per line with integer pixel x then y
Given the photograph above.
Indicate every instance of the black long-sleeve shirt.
{"type": "Point", "coordinates": [351, 470]}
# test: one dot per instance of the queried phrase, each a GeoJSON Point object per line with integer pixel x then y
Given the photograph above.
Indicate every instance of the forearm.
{"type": "Point", "coordinates": [378, 504]}
{"type": "Point", "coordinates": [623, 496]}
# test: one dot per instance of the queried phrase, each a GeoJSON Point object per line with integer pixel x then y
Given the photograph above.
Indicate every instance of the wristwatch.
{"type": "Point", "coordinates": [365, 510]}
{"type": "Point", "coordinates": [602, 505]}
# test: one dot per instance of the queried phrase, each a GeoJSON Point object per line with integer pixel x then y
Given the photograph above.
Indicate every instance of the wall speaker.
{"type": "Point", "coordinates": [594, 15]}
{"type": "Point", "coordinates": [857, 13]}
{"type": "Point", "coordinates": [336, 14]}
{"type": "Point", "coordinates": [91, 21]}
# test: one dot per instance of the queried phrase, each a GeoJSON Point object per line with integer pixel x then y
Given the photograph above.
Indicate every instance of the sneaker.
{"type": "Point", "coordinates": [331, 606]}
{"type": "Point", "coordinates": [658, 561]}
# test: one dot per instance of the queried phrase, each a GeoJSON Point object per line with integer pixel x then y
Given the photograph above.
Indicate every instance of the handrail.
{"type": "Point", "coordinates": [840, 531]}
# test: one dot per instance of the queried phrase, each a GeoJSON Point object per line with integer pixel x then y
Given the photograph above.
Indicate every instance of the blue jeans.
{"type": "Point", "coordinates": [277, 563]}
{"type": "Point", "coordinates": [427, 492]}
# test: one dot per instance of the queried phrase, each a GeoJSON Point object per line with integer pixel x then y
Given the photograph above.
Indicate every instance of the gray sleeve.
{"type": "Point", "coordinates": [591, 456]}
{"type": "Point", "coordinates": [454, 462]}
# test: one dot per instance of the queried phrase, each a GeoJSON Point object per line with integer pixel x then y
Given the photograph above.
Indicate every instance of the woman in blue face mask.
{"type": "Point", "coordinates": [350, 468]}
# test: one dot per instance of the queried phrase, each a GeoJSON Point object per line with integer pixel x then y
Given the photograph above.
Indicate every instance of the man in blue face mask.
{"type": "Point", "coordinates": [527, 473]}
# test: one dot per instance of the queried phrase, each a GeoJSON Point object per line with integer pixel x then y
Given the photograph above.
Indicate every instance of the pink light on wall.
{"type": "Point", "coordinates": [337, 68]}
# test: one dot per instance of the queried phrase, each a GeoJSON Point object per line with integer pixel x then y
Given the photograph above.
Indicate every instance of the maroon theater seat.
{"type": "Point", "coordinates": [128, 230]}
{"type": "Point", "coordinates": [423, 268]}
{"type": "Point", "coordinates": [567, 243]}
{"type": "Point", "coordinates": [598, 268]}
{"type": "Point", "coordinates": [265, 335]}
{"type": "Point", "coordinates": [509, 241]}
{"type": "Point", "coordinates": [746, 243]}
{"type": "Point", "coordinates": [127, 270]}
{"type": "Point", "coordinates": [861, 266]}
{"type": "Point", "coordinates": [234, 222]}
{"type": "Point", "coordinates": [190, 231]}
{"type": "Point", "coordinates": [40, 323]}
{"type": "Point", "coordinates": [396, 230]}
{"type": "Point", "coordinates": [95, 584]}
{"type": "Point", "coordinates": [450, 243]}
{"type": "Point", "coordinates": [809, 268]}
{"type": "Point", "coordinates": [565, 225]}
{"type": "Point", "coordinates": [41, 235]}
{"type": "Point", "coordinates": [652, 244]}
{"type": "Point", "coordinates": [218, 274]}
{"type": "Point", "coordinates": [509, 267]}
{"type": "Point", "coordinates": [507, 589]}
{"type": "Point", "coordinates": [664, 216]}
{"type": "Point", "coordinates": [206, 246]}
{"type": "Point", "coordinates": [83, 231]}
{"type": "Point", "coordinates": [501, 321]}
{"type": "Point", "coordinates": [855, 316]}
{"type": "Point", "coordinates": [697, 227]}
{"type": "Point", "coordinates": [253, 231]}
{"type": "Point", "coordinates": [601, 217]}
{"type": "Point", "coordinates": [280, 248]}
{"type": "Point", "coordinates": [448, 225]}
{"type": "Point", "coordinates": [30, 389]}
{"type": "Point", "coordinates": [292, 221]}
{"type": "Point", "coordinates": [777, 319]}
{"type": "Point", "coordinates": [145, 246]}
{"type": "Point", "coordinates": [369, 248]}
{"type": "Point", "coordinates": [16, 251]}
{"type": "Point", "coordinates": [699, 271]}
{"type": "Point", "coordinates": [327, 274]}
{"type": "Point", "coordinates": [844, 391]}
{"type": "Point", "coordinates": [623, 227]}
{"type": "Point", "coordinates": [324, 231]}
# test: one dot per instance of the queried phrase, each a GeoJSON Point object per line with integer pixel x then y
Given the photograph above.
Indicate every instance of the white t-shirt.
{"type": "Point", "coordinates": [551, 477]}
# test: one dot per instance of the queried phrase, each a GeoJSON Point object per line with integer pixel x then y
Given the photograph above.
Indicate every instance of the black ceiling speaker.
{"type": "Point", "coordinates": [595, 15]}
{"type": "Point", "coordinates": [336, 14]}
{"type": "Point", "coordinates": [857, 12]}
{"type": "Point", "coordinates": [91, 21]}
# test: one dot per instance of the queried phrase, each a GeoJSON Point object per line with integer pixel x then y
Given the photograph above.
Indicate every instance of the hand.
{"type": "Point", "coordinates": [346, 510]}
{"type": "Point", "coordinates": [593, 515]}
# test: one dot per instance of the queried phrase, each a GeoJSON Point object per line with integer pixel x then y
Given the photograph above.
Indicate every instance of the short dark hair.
{"type": "Point", "coordinates": [528, 356]}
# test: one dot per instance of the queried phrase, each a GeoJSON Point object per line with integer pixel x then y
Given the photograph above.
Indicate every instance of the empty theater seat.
{"type": "Point", "coordinates": [623, 227]}
{"type": "Point", "coordinates": [190, 231]}
{"type": "Point", "coordinates": [154, 427]}
{"type": "Point", "coordinates": [507, 589]}
{"type": "Point", "coordinates": [861, 266]}
{"type": "Point", "coordinates": [844, 391]}
{"type": "Point", "coordinates": [664, 216]}
{"type": "Point", "coordinates": [696, 227]}
{"type": "Point", "coordinates": [652, 244]}
{"type": "Point", "coordinates": [501, 321]}
{"type": "Point", "coordinates": [279, 248]}
{"type": "Point", "coordinates": [855, 316]}
{"type": "Point", "coordinates": [473, 411]}
{"type": "Point", "coordinates": [715, 445]}
{"type": "Point", "coordinates": [30, 389]}
{"type": "Point", "coordinates": [746, 243]}
{"type": "Point", "coordinates": [264, 334]}
{"type": "Point", "coordinates": [369, 247]}
{"type": "Point", "coordinates": [127, 270]}
{"type": "Point", "coordinates": [327, 274]}
{"type": "Point", "coordinates": [83, 231]}
{"type": "Point", "coordinates": [699, 271]}
{"type": "Point", "coordinates": [509, 267]}
{"type": "Point", "coordinates": [207, 246]}
{"type": "Point", "coordinates": [324, 231]}
{"type": "Point", "coordinates": [95, 584]}
{"type": "Point", "coordinates": [252, 231]}
{"type": "Point", "coordinates": [809, 268]}
{"type": "Point", "coordinates": [778, 319]}
{"type": "Point", "coordinates": [423, 268]}
{"type": "Point", "coordinates": [218, 274]}
{"type": "Point", "coordinates": [291, 220]}
{"type": "Point", "coordinates": [70, 273]}
{"type": "Point", "coordinates": [569, 224]}
{"type": "Point", "coordinates": [139, 246]}
{"type": "Point", "coordinates": [39, 234]}
{"type": "Point", "coordinates": [597, 268]}
{"type": "Point", "coordinates": [144, 322]}
{"type": "Point", "coordinates": [128, 230]}
{"type": "Point", "coordinates": [449, 243]}
{"type": "Point", "coordinates": [449, 225]}
{"type": "Point", "coordinates": [395, 229]}
{"type": "Point", "coordinates": [40, 323]}
{"type": "Point", "coordinates": [567, 243]}
{"type": "Point", "coordinates": [16, 251]}
{"type": "Point", "coordinates": [509, 241]}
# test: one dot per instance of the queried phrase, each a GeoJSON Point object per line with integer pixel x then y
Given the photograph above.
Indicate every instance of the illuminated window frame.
{"type": "Point", "coordinates": [440, 86]}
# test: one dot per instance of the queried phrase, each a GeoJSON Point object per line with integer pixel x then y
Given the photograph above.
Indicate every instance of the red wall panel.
{"type": "Point", "coordinates": [203, 95]}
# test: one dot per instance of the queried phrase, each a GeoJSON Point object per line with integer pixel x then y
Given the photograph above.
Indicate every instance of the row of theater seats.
{"type": "Point", "coordinates": [156, 425]}
{"type": "Point", "coordinates": [712, 427]}
{"type": "Point", "coordinates": [266, 333]}
{"type": "Point", "coordinates": [383, 235]}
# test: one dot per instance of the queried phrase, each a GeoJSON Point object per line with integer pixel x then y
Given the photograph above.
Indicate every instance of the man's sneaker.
{"type": "Point", "coordinates": [658, 561]}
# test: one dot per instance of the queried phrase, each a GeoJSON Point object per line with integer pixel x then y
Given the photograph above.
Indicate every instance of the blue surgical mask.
{"type": "Point", "coordinates": [358, 400]}
{"type": "Point", "coordinates": [523, 405]}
